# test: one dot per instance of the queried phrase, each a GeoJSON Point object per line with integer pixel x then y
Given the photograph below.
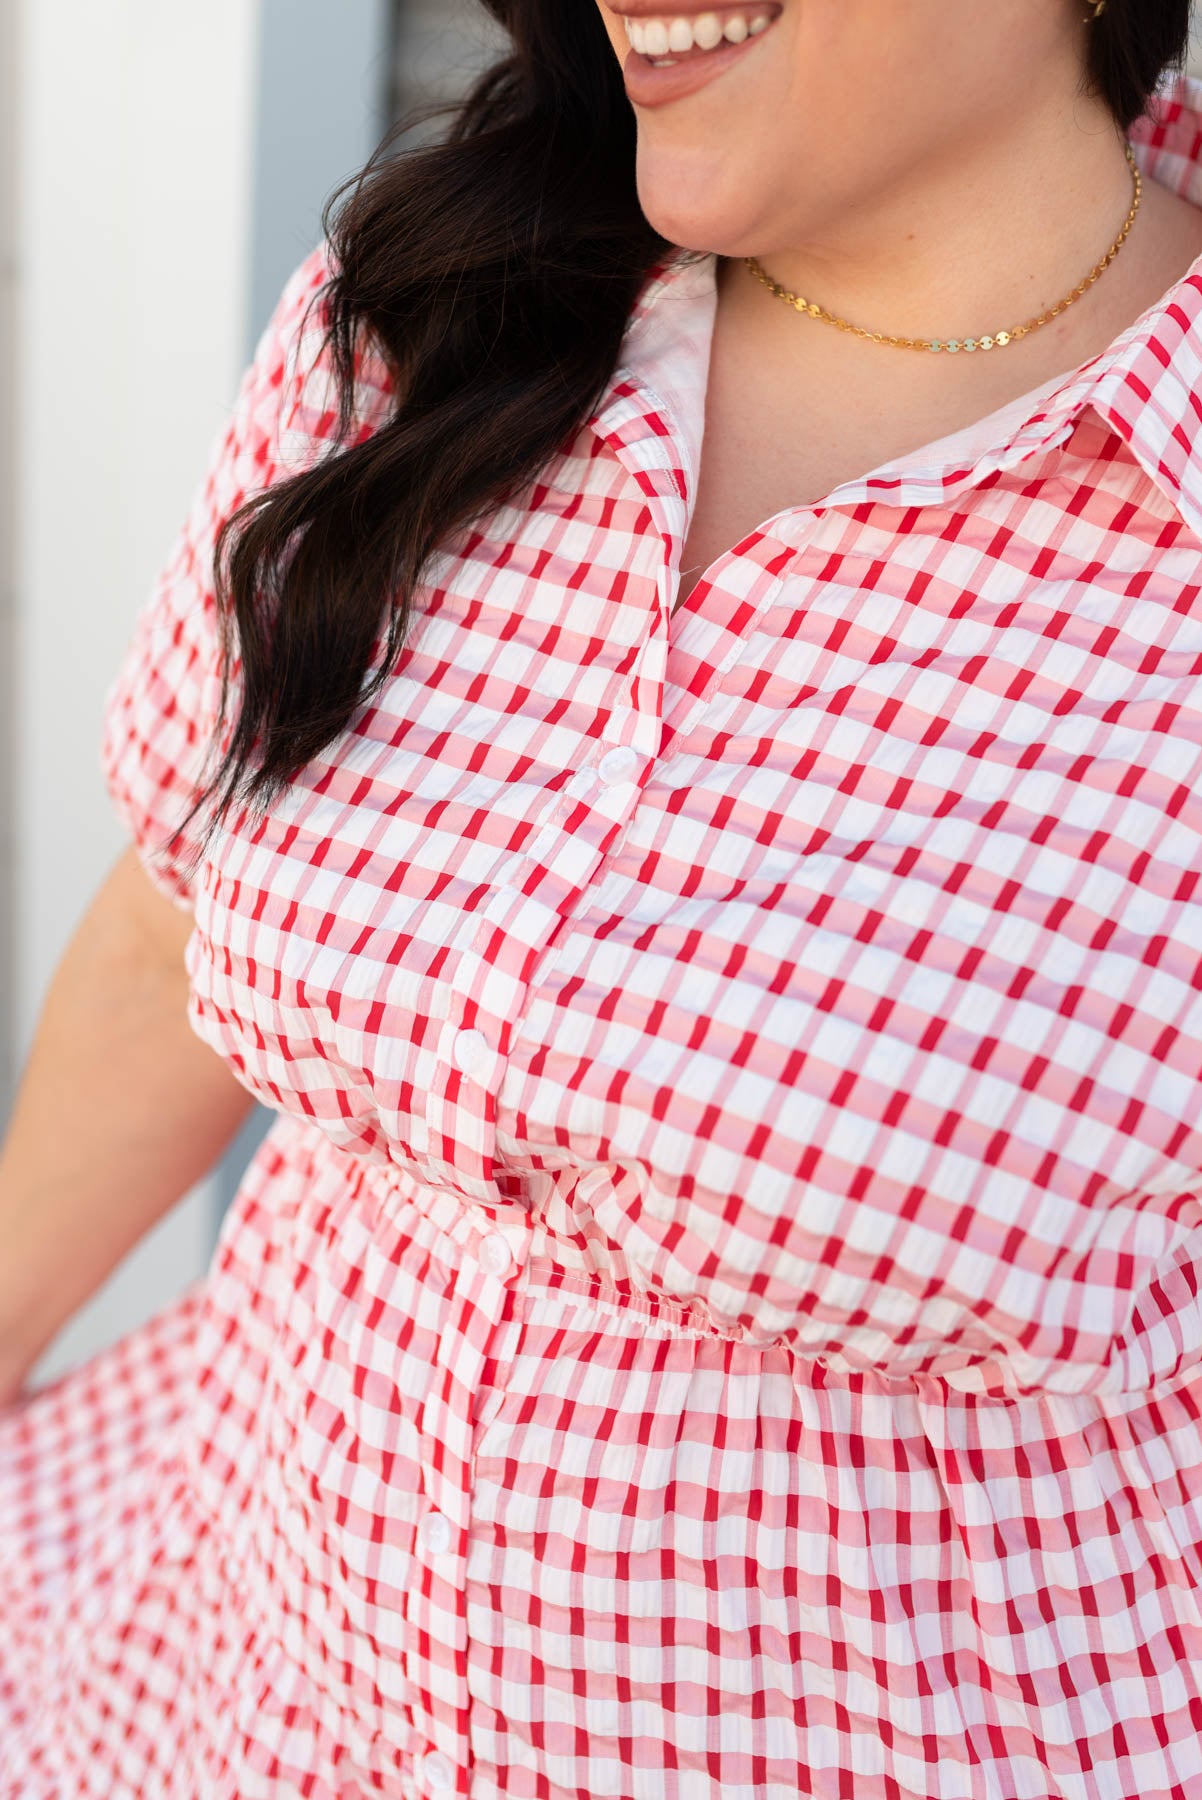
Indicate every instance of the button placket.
{"type": "Point", "coordinates": [581, 784]}
{"type": "Point", "coordinates": [636, 709]}
{"type": "Point", "coordinates": [475, 1310]}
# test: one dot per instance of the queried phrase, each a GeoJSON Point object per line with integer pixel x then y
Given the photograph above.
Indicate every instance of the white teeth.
{"type": "Point", "coordinates": [707, 31]}
{"type": "Point", "coordinates": [675, 36]}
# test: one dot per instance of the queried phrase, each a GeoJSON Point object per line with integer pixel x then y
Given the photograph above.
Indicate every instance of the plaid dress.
{"type": "Point", "coordinates": [717, 1315]}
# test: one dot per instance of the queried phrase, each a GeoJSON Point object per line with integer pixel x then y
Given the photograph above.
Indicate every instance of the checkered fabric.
{"type": "Point", "coordinates": [717, 1316]}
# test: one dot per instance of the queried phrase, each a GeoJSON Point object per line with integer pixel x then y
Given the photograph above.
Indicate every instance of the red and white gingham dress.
{"type": "Point", "coordinates": [718, 1315]}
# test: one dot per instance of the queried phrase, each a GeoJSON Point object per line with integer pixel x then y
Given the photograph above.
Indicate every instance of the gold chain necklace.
{"type": "Point", "coordinates": [995, 339]}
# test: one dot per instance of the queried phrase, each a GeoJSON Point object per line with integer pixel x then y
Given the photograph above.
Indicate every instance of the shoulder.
{"type": "Point", "coordinates": [295, 371]}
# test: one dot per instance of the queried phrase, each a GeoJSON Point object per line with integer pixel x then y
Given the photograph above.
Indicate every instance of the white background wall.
{"type": "Point", "coordinates": [8, 375]}
{"type": "Point", "coordinates": [134, 131]}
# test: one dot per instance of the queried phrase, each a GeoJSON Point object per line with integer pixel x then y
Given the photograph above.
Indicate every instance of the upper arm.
{"type": "Point", "coordinates": [152, 918]}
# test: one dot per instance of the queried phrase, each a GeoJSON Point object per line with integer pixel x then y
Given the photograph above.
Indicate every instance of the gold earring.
{"type": "Point", "coordinates": [1099, 7]}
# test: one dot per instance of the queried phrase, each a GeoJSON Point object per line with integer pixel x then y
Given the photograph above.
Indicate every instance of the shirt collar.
{"type": "Point", "coordinates": [1146, 386]}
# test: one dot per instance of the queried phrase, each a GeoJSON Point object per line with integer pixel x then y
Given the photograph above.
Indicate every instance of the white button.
{"type": "Point", "coordinates": [437, 1771]}
{"type": "Point", "coordinates": [618, 765]}
{"type": "Point", "coordinates": [436, 1532]}
{"type": "Point", "coordinates": [495, 1255]}
{"type": "Point", "coordinates": [469, 1050]}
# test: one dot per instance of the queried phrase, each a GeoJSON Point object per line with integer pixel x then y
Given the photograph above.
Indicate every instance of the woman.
{"type": "Point", "coordinates": [692, 816]}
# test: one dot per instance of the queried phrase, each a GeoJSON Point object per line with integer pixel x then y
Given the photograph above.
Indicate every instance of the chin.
{"type": "Point", "coordinates": [700, 202]}
{"type": "Point", "coordinates": [701, 226]}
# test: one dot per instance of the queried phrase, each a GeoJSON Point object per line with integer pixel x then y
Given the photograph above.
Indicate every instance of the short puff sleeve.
{"type": "Point", "coordinates": [160, 712]}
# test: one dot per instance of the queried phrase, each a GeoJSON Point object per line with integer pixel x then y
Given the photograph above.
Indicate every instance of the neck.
{"type": "Point", "coordinates": [973, 241]}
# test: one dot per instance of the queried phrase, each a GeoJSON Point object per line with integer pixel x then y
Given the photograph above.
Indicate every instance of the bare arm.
{"type": "Point", "coordinates": [120, 1111]}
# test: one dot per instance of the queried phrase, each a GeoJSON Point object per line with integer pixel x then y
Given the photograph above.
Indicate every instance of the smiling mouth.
{"type": "Point", "coordinates": [670, 38]}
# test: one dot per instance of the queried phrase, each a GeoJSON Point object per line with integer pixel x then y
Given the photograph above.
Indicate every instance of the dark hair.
{"type": "Point", "coordinates": [494, 271]}
{"type": "Point", "coordinates": [1131, 46]}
